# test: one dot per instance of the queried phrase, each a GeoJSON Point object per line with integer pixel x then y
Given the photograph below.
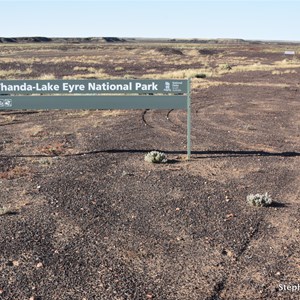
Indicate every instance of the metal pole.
{"type": "Point", "coordinates": [188, 119]}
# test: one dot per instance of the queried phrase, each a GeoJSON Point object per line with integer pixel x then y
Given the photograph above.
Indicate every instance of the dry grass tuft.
{"type": "Point", "coordinates": [112, 113]}
{"type": "Point", "coordinates": [93, 74]}
{"type": "Point", "coordinates": [47, 76]}
{"type": "Point", "coordinates": [204, 84]}
{"type": "Point", "coordinates": [16, 172]}
{"type": "Point", "coordinates": [180, 74]}
{"type": "Point", "coordinates": [54, 149]}
{"type": "Point", "coordinates": [277, 72]}
{"type": "Point", "coordinates": [12, 73]}
{"type": "Point", "coordinates": [78, 68]}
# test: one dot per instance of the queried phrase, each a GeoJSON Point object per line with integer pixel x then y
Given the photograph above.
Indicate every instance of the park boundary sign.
{"type": "Point", "coordinates": [97, 94]}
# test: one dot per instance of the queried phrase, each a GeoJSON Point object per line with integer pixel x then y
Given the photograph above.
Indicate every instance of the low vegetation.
{"type": "Point", "coordinates": [159, 61]}
{"type": "Point", "coordinates": [16, 172]}
{"type": "Point", "coordinates": [156, 157]}
{"type": "Point", "coordinates": [259, 200]}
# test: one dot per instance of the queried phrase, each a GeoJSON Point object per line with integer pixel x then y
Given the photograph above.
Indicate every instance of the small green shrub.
{"type": "Point", "coordinates": [156, 157]}
{"type": "Point", "coordinates": [227, 67]}
{"type": "Point", "coordinates": [4, 210]}
{"type": "Point", "coordinates": [201, 75]}
{"type": "Point", "coordinates": [259, 200]}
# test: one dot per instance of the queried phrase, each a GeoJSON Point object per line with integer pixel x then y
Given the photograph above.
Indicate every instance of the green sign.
{"type": "Point", "coordinates": [92, 86]}
{"type": "Point", "coordinates": [93, 102]}
{"type": "Point", "coordinates": [97, 94]}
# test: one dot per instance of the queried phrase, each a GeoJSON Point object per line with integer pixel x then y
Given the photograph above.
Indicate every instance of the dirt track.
{"type": "Point", "coordinates": [89, 219]}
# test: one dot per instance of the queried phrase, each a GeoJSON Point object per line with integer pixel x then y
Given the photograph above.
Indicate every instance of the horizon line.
{"type": "Point", "coordinates": [149, 38]}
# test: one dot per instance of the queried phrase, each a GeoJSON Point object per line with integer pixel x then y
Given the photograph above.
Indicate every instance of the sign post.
{"type": "Point", "coordinates": [98, 94]}
{"type": "Point", "coordinates": [188, 120]}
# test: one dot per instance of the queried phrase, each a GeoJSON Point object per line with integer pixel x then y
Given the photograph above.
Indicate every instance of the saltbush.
{"type": "Point", "coordinates": [156, 157]}
{"type": "Point", "coordinates": [259, 200]}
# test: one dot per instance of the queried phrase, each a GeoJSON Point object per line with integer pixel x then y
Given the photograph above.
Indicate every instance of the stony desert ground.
{"type": "Point", "coordinates": [83, 216]}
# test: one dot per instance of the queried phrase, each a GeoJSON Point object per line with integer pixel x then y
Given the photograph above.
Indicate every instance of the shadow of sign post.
{"type": "Point", "coordinates": [97, 94]}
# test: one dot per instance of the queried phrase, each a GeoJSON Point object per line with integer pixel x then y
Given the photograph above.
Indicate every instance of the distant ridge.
{"type": "Point", "coordinates": [116, 40]}
{"type": "Point", "coordinates": [25, 40]}
{"type": "Point", "coordinates": [79, 40]}
{"type": "Point", "coordinates": [38, 39]}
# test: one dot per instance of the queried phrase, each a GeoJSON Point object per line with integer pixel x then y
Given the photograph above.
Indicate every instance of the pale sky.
{"type": "Point", "coordinates": [256, 19]}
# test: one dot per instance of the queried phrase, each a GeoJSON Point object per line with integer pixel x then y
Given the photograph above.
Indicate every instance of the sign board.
{"type": "Point", "coordinates": [97, 94]}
